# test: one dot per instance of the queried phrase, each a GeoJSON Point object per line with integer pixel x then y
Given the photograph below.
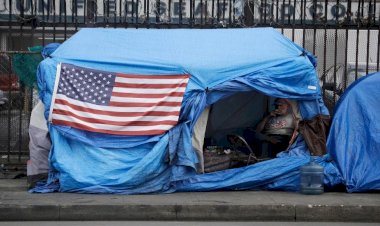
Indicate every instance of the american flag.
{"type": "Point", "coordinates": [115, 103]}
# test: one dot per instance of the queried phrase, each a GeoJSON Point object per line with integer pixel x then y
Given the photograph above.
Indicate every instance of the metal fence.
{"type": "Point", "coordinates": [343, 35]}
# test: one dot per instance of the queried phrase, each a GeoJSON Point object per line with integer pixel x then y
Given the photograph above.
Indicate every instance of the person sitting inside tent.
{"type": "Point", "coordinates": [278, 128]}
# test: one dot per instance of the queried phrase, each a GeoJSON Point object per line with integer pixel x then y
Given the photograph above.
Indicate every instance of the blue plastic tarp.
{"type": "Point", "coordinates": [221, 62]}
{"type": "Point", "coordinates": [354, 140]}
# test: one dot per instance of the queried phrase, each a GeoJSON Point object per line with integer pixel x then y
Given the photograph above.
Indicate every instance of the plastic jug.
{"type": "Point", "coordinates": [311, 182]}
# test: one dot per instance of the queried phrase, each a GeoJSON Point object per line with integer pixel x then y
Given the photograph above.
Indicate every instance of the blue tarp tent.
{"type": "Point", "coordinates": [354, 140]}
{"type": "Point", "coordinates": [221, 63]}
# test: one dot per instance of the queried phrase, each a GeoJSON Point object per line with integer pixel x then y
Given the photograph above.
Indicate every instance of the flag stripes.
{"type": "Point", "coordinates": [115, 103]}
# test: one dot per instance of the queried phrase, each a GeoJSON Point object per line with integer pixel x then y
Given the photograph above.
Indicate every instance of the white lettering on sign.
{"type": "Point", "coordinates": [167, 10]}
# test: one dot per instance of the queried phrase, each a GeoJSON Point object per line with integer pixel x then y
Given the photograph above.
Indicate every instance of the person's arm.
{"type": "Point", "coordinates": [260, 128]}
{"type": "Point", "coordinates": [263, 121]}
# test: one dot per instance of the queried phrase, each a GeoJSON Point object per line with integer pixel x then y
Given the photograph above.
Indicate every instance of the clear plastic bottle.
{"type": "Point", "coordinates": [311, 182]}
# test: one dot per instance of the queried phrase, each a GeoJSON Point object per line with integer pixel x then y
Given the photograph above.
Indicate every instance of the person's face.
{"type": "Point", "coordinates": [281, 108]}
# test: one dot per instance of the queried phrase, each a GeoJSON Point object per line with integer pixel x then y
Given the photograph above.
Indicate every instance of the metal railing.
{"type": "Point", "coordinates": [343, 35]}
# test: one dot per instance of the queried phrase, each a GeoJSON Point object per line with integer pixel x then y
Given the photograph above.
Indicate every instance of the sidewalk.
{"type": "Point", "coordinates": [17, 204]}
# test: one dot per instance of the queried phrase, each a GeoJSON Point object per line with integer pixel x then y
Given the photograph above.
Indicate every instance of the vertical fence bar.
{"type": "Point", "coordinates": [20, 116]}
{"type": "Point", "coordinates": [107, 8]}
{"type": "Point", "coordinates": [157, 11]}
{"type": "Point", "coordinates": [170, 12]}
{"type": "Point", "coordinates": [65, 19]}
{"type": "Point", "coordinates": [271, 19]}
{"type": "Point", "coordinates": [289, 14]}
{"type": "Point", "coordinates": [217, 11]}
{"type": "Point", "coordinates": [34, 26]}
{"type": "Point", "coordinates": [120, 12]}
{"type": "Point", "coordinates": [253, 15]}
{"type": "Point", "coordinates": [335, 51]}
{"type": "Point", "coordinates": [224, 11]}
{"type": "Point", "coordinates": [191, 19]}
{"type": "Point", "coordinates": [42, 22]}
{"type": "Point", "coordinates": [357, 41]}
{"type": "Point", "coordinates": [347, 23]}
{"type": "Point", "coordinates": [264, 10]}
{"type": "Point", "coordinates": [368, 34]}
{"type": "Point", "coordinates": [54, 28]}
{"type": "Point", "coordinates": [207, 16]}
{"type": "Point", "coordinates": [294, 19]}
{"type": "Point", "coordinates": [282, 16]}
{"type": "Point", "coordinates": [303, 18]}
{"type": "Point", "coordinates": [75, 6]}
{"type": "Point", "coordinates": [278, 6]}
{"type": "Point", "coordinates": [229, 12]}
{"type": "Point", "coordinates": [115, 14]}
{"type": "Point", "coordinates": [9, 83]}
{"type": "Point", "coordinates": [148, 11]}
{"type": "Point", "coordinates": [325, 72]}
{"type": "Point", "coordinates": [324, 75]}
{"type": "Point", "coordinates": [137, 13]}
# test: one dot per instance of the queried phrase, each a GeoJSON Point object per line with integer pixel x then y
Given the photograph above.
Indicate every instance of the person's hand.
{"type": "Point", "coordinates": [273, 113]}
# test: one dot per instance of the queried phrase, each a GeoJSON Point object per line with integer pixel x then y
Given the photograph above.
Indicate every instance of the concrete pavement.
{"type": "Point", "coordinates": [17, 204]}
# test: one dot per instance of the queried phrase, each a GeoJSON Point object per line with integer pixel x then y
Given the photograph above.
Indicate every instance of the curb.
{"type": "Point", "coordinates": [317, 213]}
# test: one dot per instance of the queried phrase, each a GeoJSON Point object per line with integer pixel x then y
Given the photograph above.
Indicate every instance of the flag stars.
{"type": "Point", "coordinates": [86, 85]}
